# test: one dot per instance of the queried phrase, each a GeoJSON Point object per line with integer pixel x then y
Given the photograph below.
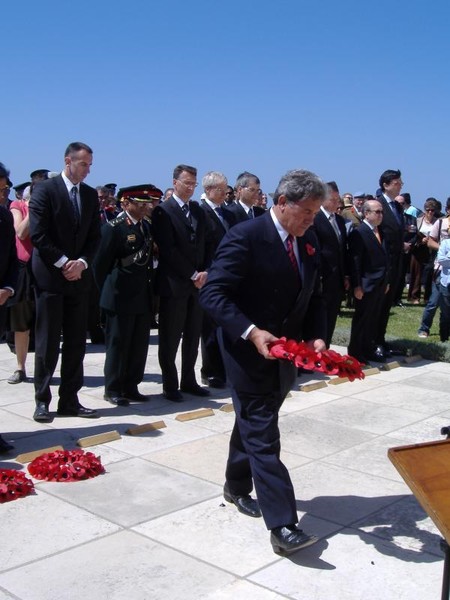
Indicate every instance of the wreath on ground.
{"type": "Point", "coordinates": [66, 465]}
{"type": "Point", "coordinates": [14, 484]}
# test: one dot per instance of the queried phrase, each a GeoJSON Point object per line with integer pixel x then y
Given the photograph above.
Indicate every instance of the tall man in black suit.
{"type": "Point", "coordinates": [123, 270]}
{"type": "Point", "coordinates": [8, 265]}
{"type": "Point", "coordinates": [370, 281]}
{"type": "Point", "coordinates": [65, 231]}
{"type": "Point", "coordinates": [255, 301]}
{"type": "Point", "coordinates": [219, 220]}
{"type": "Point", "coordinates": [334, 267]}
{"type": "Point", "coordinates": [248, 188]}
{"type": "Point", "coordinates": [179, 227]}
{"type": "Point", "coordinates": [392, 228]}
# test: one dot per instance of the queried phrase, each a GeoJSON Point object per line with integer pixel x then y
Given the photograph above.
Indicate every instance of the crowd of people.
{"type": "Point", "coordinates": [225, 275]}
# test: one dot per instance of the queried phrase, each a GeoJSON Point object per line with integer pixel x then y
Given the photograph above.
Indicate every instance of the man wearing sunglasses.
{"type": "Point", "coordinates": [369, 261]}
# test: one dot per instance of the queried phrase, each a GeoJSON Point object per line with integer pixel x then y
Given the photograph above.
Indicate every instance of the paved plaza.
{"type": "Point", "coordinates": [155, 525]}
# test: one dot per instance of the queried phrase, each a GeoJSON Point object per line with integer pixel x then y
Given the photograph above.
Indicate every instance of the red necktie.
{"type": "Point", "coordinates": [291, 253]}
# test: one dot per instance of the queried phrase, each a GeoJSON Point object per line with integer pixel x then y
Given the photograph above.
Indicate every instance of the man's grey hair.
{"type": "Point", "coordinates": [213, 178]}
{"type": "Point", "coordinates": [246, 178]}
{"type": "Point", "coordinates": [298, 185]}
{"type": "Point", "coordinates": [367, 206]}
{"type": "Point", "coordinates": [103, 189]}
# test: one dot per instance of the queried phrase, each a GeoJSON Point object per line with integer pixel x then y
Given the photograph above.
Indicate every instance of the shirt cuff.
{"type": "Point", "coordinates": [61, 262]}
{"type": "Point", "coordinates": [244, 336]}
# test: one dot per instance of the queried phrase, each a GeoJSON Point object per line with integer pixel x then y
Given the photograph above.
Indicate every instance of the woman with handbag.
{"type": "Point", "coordinates": [422, 257]}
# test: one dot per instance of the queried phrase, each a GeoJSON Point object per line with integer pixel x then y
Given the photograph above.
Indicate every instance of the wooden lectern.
{"type": "Point", "coordinates": [426, 470]}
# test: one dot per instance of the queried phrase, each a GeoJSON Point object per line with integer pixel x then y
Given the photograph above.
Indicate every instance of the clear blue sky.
{"type": "Point", "coordinates": [345, 89]}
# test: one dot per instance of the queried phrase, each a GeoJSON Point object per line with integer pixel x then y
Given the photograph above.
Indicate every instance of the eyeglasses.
{"type": "Point", "coordinates": [190, 184]}
{"type": "Point", "coordinates": [220, 189]}
{"type": "Point", "coordinates": [377, 212]}
{"type": "Point", "coordinates": [252, 189]}
{"type": "Point", "coordinates": [429, 210]}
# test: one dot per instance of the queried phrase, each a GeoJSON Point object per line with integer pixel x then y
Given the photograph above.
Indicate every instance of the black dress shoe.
{"type": "Point", "coordinates": [135, 396]}
{"type": "Point", "coordinates": [174, 396]}
{"type": "Point", "coordinates": [4, 446]}
{"type": "Point", "coordinates": [388, 353]}
{"type": "Point", "coordinates": [378, 355]}
{"type": "Point", "coordinates": [116, 399]}
{"type": "Point", "coordinates": [41, 414]}
{"type": "Point", "coordinates": [245, 504]}
{"type": "Point", "coordinates": [17, 377]}
{"type": "Point", "coordinates": [78, 411]}
{"type": "Point", "coordinates": [289, 538]}
{"type": "Point", "coordinates": [214, 382]}
{"type": "Point", "coordinates": [195, 390]}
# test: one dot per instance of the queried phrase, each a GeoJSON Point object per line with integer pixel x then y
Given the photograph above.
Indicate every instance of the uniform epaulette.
{"type": "Point", "coordinates": [120, 219]}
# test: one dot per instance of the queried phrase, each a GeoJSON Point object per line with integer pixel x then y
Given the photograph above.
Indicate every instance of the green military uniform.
{"type": "Point", "coordinates": [123, 272]}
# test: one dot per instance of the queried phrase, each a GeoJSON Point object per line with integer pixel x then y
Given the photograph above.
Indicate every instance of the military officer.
{"type": "Point", "coordinates": [123, 272]}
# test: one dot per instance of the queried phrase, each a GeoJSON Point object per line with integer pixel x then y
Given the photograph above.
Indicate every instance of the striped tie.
{"type": "Point", "coordinates": [291, 254]}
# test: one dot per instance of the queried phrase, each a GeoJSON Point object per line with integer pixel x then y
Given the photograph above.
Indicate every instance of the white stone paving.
{"type": "Point", "coordinates": [155, 525]}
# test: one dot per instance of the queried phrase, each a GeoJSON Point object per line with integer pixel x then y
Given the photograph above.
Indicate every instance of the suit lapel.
{"type": "Point", "coordinates": [217, 222]}
{"type": "Point", "coordinates": [175, 210]}
{"type": "Point", "coordinates": [62, 192]}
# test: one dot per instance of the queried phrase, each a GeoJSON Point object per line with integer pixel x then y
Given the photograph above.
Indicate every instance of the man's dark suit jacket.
{"type": "Point", "coordinates": [8, 255]}
{"type": "Point", "coordinates": [216, 230]}
{"type": "Point", "coordinates": [252, 281]}
{"type": "Point", "coordinates": [181, 246]}
{"type": "Point", "coordinates": [392, 228]}
{"type": "Point", "coordinates": [334, 266]}
{"type": "Point", "coordinates": [334, 263]}
{"type": "Point", "coordinates": [8, 259]}
{"type": "Point", "coordinates": [239, 212]}
{"type": "Point", "coordinates": [370, 264]}
{"type": "Point", "coordinates": [53, 233]}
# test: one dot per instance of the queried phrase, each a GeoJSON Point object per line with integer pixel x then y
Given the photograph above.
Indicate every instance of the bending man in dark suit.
{"type": "Point", "coordinates": [219, 220]}
{"type": "Point", "coordinates": [334, 267]}
{"type": "Point", "coordinates": [263, 284]}
{"type": "Point", "coordinates": [369, 278]}
{"type": "Point", "coordinates": [65, 231]}
{"type": "Point", "coordinates": [179, 227]}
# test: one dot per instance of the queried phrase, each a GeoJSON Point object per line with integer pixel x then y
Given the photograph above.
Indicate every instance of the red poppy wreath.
{"type": "Point", "coordinates": [66, 465]}
{"type": "Point", "coordinates": [14, 484]}
{"type": "Point", "coordinates": [328, 361]}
